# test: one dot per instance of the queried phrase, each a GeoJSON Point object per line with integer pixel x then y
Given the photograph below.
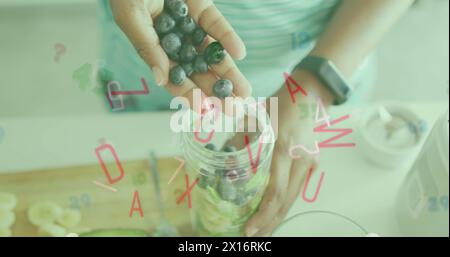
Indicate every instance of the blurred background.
{"type": "Point", "coordinates": [412, 60]}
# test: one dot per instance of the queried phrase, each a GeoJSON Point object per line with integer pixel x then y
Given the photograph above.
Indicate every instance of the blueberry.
{"type": "Point", "coordinates": [174, 57]}
{"type": "Point", "coordinates": [198, 37]}
{"type": "Point", "coordinates": [226, 190]}
{"type": "Point", "coordinates": [200, 64]}
{"type": "Point", "coordinates": [171, 43]}
{"type": "Point", "coordinates": [229, 149]}
{"type": "Point", "coordinates": [210, 147]}
{"type": "Point", "coordinates": [177, 75]}
{"type": "Point", "coordinates": [187, 25]}
{"type": "Point", "coordinates": [235, 176]}
{"type": "Point", "coordinates": [206, 180]}
{"type": "Point", "coordinates": [242, 179]}
{"type": "Point", "coordinates": [214, 53]}
{"type": "Point", "coordinates": [164, 23]}
{"type": "Point", "coordinates": [231, 175]}
{"type": "Point", "coordinates": [188, 68]}
{"type": "Point", "coordinates": [169, 4]}
{"type": "Point", "coordinates": [223, 88]}
{"type": "Point", "coordinates": [179, 34]}
{"type": "Point", "coordinates": [178, 9]}
{"type": "Point", "coordinates": [187, 53]}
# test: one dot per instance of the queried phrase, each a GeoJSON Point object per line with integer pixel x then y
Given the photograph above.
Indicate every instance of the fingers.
{"type": "Point", "coordinates": [274, 196]}
{"type": "Point", "coordinates": [227, 69]}
{"type": "Point", "coordinates": [186, 89]}
{"type": "Point", "coordinates": [215, 24]}
{"type": "Point", "coordinates": [135, 21]}
{"type": "Point", "coordinates": [205, 81]}
{"type": "Point", "coordinates": [299, 170]}
{"type": "Point", "coordinates": [196, 100]}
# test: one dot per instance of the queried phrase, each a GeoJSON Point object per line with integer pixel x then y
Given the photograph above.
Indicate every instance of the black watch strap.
{"type": "Point", "coordinates": [329, 75]}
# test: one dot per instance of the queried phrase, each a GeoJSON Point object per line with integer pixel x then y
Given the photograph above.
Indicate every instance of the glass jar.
{"type": "Point", "coordinates": [231, 183]}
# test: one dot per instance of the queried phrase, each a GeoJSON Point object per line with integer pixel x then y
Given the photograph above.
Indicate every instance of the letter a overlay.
{"type": "Point", "coordinates": [139, 208]}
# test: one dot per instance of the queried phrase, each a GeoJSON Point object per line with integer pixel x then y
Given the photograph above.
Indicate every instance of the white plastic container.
{"type": "Point", "coordinates": [389, 153]}
{"type": "Point", "coordinates": [422, 205]}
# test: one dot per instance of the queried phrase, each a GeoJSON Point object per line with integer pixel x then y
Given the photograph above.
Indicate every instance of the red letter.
{"type": "Point", "coordinates": [122, 173]}
{"type": "Point", "coordinates": [110, 97]}
{"type": "Point", "coordinates": [188, 192]}
{"type": "Point", "coordinates": [249, 151]}
{"type": "Point", "coordinates": [134, 92]}
{"type": "Point", "coordinates": [196, 131]}
{"type": "Point", "coordinates": [139, 208]}
{"type": "Point", "coordinates": [289, 79]}
{"type": "Point", "coordinates": [201, 140]}
{"type": "Point", "coordinates": [344, 132]}
{"type": "Point", "coordinates": [317, 190]}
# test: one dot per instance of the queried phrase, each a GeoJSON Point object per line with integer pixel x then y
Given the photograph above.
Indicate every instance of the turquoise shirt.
{"type": "Point", "coordinates": [277, 34]}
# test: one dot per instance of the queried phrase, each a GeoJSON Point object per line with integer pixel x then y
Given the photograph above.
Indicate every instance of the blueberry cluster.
{"type": "Point", "coordinates": [181, 38]}
{"type": "Point", "coordinates": [228, 183]}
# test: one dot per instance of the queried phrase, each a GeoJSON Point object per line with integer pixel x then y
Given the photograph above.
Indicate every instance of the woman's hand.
{"type": "Point", "coordinates": [288, 175]}
{"type": "Point", "coordinates": [136, 19]}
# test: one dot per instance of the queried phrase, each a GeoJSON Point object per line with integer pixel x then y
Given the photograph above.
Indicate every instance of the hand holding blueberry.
{"type": "Point", "coordinates": [167, 36]}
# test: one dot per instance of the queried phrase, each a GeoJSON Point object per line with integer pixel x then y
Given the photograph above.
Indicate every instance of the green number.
{"type": "Point", "coordinates": [83, 76]}
{"type": "Point", "coordinates": [86, 200]}
{"type": "Point", "coordinates": [73, 203]}
{"type": "Point", "coordinates": [304, 111]}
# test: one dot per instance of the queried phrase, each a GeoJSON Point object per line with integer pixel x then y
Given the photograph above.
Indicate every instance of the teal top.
{"type": "Point", "coordinates": [277, 35]}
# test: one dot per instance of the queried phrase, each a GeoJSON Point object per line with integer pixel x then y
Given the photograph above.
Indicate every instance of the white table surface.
{"type": "Point", "coordinates": [352, 186]}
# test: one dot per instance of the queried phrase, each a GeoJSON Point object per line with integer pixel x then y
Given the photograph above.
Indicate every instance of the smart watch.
{"type": "Point", "coordinates": [329, 75]}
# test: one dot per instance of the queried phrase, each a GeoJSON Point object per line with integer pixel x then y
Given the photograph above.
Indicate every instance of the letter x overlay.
{"type": "Point", "coordinates": [188, 192]}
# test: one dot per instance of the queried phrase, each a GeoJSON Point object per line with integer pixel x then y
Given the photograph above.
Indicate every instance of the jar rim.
{"type": "Point", "coordinates": [259, 150]}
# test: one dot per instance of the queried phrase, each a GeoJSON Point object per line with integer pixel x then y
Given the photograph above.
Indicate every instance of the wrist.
{"type": "Point", "coordinates": [313, 86]}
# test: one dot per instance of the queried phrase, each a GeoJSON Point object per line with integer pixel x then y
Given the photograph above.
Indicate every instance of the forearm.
{"type": "Point", "coordinates": [355, 30]}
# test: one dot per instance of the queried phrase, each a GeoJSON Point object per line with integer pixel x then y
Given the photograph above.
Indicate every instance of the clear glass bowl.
{"type": "Point", "coordinates": [320, 224]}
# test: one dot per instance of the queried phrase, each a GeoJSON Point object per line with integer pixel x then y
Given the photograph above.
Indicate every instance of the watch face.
{"type": "Point", "coordinates": [335, 81]}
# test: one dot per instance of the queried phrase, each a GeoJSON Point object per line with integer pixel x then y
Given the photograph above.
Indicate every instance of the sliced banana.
{"type": "Point", "coordinates": [5, 232]}
{"type": "Point", "coordinates": [7, 219]}
{"type": "Point", "coordinates": [52, 230]}
{"type": "Point", "coordinates": [42, 213]}
{"type": "Point", "coordinates": [8, 201]}
{"type": "Point", "coordinates": [69, 218]}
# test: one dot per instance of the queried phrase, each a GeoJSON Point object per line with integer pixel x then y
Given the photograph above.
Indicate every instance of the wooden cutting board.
{"type": "Point", "coordinates": [73, 187]}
